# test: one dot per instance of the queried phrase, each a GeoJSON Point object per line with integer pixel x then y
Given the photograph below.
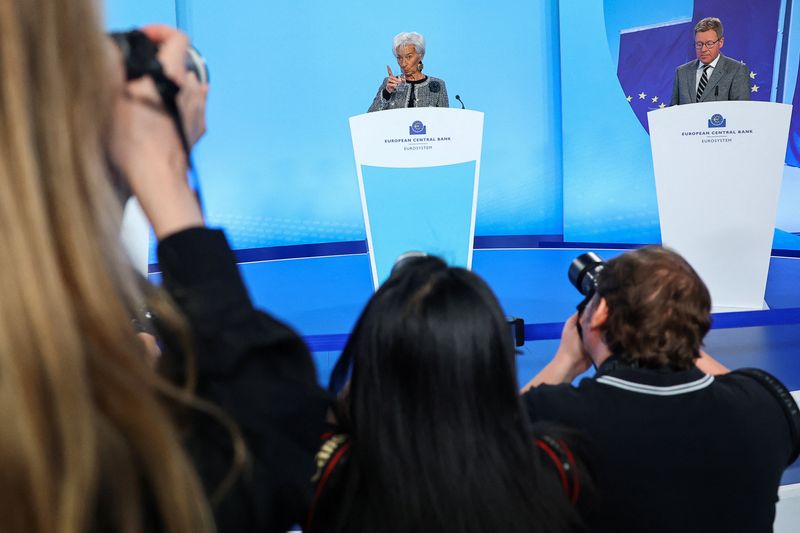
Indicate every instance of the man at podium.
{"type": "Point", "coordinates": [410, 88]}
{"type": "Point", "coordinates": [712, 77]}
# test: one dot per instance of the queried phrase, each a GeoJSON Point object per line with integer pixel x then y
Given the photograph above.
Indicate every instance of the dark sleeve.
{"type": "Point", "coordinates": [777, 397]}
{"type": "Point", "coordinates": [740, 84]}
{"type": "Point", "coordinates": [675, 91]}
{"type": "Point", "coordinates": [259, 372]}
{"type": "Point", "coordinates": [560, 404]}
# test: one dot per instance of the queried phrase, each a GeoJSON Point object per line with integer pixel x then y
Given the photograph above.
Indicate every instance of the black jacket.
{"type": "Point", "coordinates": [259, 372]}
{"type": "Point", "coordinates": [678, 450]}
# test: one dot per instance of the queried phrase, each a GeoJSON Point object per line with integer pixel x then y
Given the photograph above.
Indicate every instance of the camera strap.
{"type": "Point", "coordinates": [168, 90]}
{"type": "Point", "coordinates": [141, 60]}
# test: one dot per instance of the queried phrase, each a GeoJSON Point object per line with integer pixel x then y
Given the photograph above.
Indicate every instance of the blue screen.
{"type": "Point", "coordinates": [563, 154]}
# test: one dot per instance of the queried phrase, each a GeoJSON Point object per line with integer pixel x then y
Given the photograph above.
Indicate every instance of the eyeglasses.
{"type": "Point", "coordinates": [707, 44]}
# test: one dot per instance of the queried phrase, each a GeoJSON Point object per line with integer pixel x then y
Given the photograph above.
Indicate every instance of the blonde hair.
{"type": "Point", "coordinates": [83, 416]}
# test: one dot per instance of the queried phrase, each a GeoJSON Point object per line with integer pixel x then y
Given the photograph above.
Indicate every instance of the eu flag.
{"type": "Point", "coordinates": [648, 56]}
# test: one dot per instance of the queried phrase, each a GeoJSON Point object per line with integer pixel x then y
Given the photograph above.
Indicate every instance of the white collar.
{"type": "Point", "coordinates": [713, 64]}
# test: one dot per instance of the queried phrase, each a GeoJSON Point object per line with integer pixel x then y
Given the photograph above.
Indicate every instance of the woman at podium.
{"type": "Point", "coordinates": [410, 88]}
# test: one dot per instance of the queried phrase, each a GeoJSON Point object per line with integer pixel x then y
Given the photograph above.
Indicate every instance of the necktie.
{"type": "Point", "coordinates": [703, 82]}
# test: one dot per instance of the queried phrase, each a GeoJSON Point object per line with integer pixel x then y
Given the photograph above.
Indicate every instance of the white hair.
{"type": "Point", "coordinates": [409, 38]}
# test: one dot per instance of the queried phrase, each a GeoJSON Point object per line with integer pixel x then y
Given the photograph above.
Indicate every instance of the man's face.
{"type": "Point", "coordinates": [707, 45]}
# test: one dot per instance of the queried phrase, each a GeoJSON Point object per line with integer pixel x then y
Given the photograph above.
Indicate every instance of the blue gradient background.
{"type": "Point", "coordinates": [563, 154]}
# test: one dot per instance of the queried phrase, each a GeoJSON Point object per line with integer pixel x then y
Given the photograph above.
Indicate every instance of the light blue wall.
{"type": "Point", "coordinates": [126, 14]}
{"type": "Point", "coordinates": [609, 190]}
{"type": "Point", "coordinates": [277, 165]}
{"type": "Point", "coordinates": [562, 151]}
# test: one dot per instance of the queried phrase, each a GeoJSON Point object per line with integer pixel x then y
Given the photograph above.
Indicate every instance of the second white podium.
{"type": "Point", "coordinates": [718, 169]}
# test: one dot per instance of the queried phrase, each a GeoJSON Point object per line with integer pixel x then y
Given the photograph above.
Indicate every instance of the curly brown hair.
{"type": "Point", "coordinates": [659, 310]}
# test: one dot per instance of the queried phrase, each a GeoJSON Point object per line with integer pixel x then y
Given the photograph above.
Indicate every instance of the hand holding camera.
{"type": "Point", "coordinates": [571, 353]}
{"type": "Point", "coordinates": [148, 146]}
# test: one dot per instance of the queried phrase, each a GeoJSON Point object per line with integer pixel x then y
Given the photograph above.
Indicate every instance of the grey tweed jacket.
{"type": "Point", "coordinates": [729, 81]}
{"type": "Point", "coordinates": [430, 93]}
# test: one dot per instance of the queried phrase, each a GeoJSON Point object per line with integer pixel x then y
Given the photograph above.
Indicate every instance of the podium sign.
{"type": "Point", "coordinates": [718, 169]}
{"type": "Point", "coordinates": [418, 174]}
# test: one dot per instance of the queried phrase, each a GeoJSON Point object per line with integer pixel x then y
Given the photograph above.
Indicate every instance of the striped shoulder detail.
{"type": "Point", "coordinates": [672, 390]}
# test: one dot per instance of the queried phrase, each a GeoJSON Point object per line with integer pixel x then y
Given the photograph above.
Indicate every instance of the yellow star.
{"type": "Point", "coordinates": [655, 99]}
{"type": "Point", "coordinates": [754, 88]}
{"type": "Point", "coordinates": [628, 98]}
{"type": "Point", "coordinates": [752, 75]}
{"type": "Point", "coordinates": [642, 96]}
{"type": "Point", "coordinates": [662, 105]}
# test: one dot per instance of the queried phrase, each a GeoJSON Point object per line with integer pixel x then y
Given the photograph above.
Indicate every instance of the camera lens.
{"type": "Point", "coordinates": [584, 270]}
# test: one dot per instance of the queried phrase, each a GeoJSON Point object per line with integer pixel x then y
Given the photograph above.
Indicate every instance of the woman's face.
{"type": "Point", "coordinates": [408, 59]}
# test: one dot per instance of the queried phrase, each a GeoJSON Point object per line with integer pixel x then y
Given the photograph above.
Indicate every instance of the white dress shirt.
{"type": "Point", "coordinates": [699, 75]}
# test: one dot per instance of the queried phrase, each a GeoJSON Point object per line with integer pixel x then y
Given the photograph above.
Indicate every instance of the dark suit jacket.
{"type": "Point", "coordinates": [730, 80]}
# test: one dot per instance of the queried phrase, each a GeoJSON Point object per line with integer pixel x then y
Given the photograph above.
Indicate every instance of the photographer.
{"type": "Point", "coordinates": [93, 439]}
{"type": "Point", "coordinates": [431, 434]}
{"type": "Point", "coordinates": [676, 447]}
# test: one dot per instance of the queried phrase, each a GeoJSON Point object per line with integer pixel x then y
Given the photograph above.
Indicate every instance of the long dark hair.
{"type": "Point", "coordinates": [439, 440]}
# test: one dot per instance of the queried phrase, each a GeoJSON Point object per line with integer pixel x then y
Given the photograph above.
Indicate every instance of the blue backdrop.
{"type": "Point", "coordinates": [564, 152]}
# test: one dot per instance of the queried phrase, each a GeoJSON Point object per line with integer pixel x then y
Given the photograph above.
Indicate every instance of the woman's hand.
{"type": "Point", "coordinates": [145, 145]}
{"type": "Point", "coordinates": [392, 81]}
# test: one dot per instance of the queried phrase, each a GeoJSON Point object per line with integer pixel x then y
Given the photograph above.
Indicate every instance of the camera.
{"type": "Point", "coordinates": [139, 54]}
{"type": "Point", "coordinates": [584, 272]}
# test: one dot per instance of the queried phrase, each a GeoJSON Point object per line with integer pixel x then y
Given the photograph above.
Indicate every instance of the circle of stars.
{"type": "Point", "coordinates": [754, 88]}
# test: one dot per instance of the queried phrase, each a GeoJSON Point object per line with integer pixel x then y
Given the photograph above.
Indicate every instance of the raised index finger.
{"type": "Point", "coordinates": [389, 70]}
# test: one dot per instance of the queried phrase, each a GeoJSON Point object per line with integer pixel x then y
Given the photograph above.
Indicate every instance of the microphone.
{"type": "Point", "coordinates": [458, 97]}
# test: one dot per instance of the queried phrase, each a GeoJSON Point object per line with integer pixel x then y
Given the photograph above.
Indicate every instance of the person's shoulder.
{"type": "Point", "coordinates": [435, 82]}
{"type": "Point", "coordinates": [760, 392]}
{"type": "Point", "coordinates": [435, 85]}
{"type": "Point", "coordinates": [691, 65]}
{"type": "Point", "coordinates": [755, 385]}
{"type": "Point", "coordinates": [733, 64]}
{"type": "Point", "coordinates": [558, 402]}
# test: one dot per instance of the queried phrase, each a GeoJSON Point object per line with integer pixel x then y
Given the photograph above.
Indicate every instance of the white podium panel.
{"type": "Point", "coordinates": [418, 174]}
{"type": "Point", "coordinates": [718, 169]}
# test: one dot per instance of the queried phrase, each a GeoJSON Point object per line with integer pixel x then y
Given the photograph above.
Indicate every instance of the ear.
{"type": "Point", "coordinates": [721, 41]}
{"type": "Point", "coordinates": [600, 314]}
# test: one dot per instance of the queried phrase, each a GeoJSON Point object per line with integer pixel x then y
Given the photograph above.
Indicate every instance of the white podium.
{"type": "Point", "coordinates": [418, 174]}
{"type": "Point", "coordinates": [718, 169]}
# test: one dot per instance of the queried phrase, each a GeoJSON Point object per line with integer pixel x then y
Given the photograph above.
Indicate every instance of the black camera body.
{"type": "Point", "coordinates": [139, 55]}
